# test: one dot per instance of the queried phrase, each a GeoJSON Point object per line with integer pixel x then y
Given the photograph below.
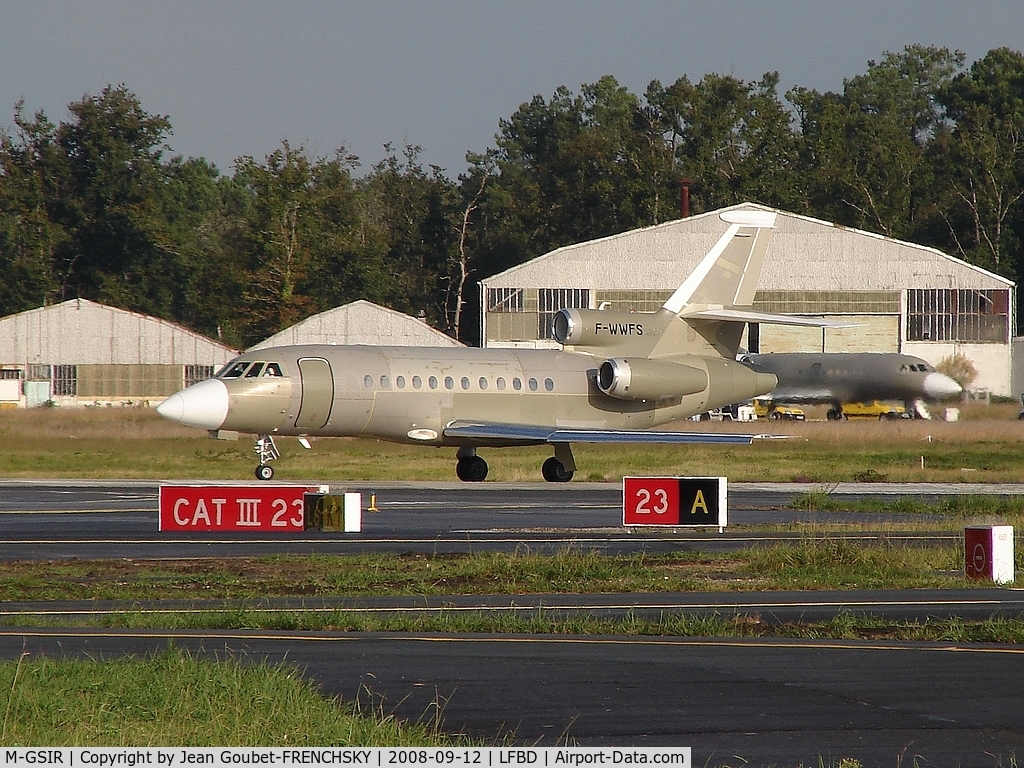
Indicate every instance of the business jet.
{"type": "Point", "coordinates": [617, 376]}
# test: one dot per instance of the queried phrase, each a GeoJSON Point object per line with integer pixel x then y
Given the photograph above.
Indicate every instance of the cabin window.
{"type": "Point", "coordinates": [400, 382]}
{"type": "Point", "coordinates": [449, 382]}
{"type": "Point", "coordinates": [368, 381]}
{"type": "Point", "coordinates": [533, 385]}
{"type": "Point", "coordinates": [483, 383]}
{"type": "Point", "coordinates": [255, 371]}
{"type": "Point", "coordinates": [417, 382]}
{"type": "Point", "coordinates": [465, 382]}
{"type": "Point", "coordinates": [549, 385]}
{"type": "Point", "coordinates": [272, 369]}
{"type": "Point", "coordinates": [432, 381]}
{"type": "Point", "coordinates": [517, 384]}
{"type": "Point", "coordinates": [385, 382]}
{"type": "Point", "coordinates": [500, 384]}
{"type": "Point", "coordinates": [237, 369]}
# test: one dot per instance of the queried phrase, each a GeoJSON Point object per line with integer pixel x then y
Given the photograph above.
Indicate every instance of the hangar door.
{"type": "Point", "coordinates": [317, 393]}
{"type": "Point", "coordinates": [870, 333]}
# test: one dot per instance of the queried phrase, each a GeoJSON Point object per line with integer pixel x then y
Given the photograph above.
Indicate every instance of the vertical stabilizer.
{"type": "Point", "coordinates": [728, 275]}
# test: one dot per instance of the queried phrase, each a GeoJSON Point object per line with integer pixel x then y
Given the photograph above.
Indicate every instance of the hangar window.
{"type": "Point", "coordinates": [196, 373]}
{"type": "Point", "coordinates": [957, 314]}
{"type": "Point", "coordinates": [504, 299]}
{"type": "Point", "coordinates": [550, 300]}
{"type": "Point", "coordinates": [10, 373]}
{"type": "Point", "coordinates": [65, 379]}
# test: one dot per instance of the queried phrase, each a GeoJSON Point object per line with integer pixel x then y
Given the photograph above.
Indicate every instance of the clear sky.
{"type": "Point", "coordinates": [237, 77]}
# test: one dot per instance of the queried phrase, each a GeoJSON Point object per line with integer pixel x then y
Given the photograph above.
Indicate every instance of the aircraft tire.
{"type": "Point", "coordinates": [264, 472]}
{"type": "Point", "coordinates": [555, 472]}
{"type": "Point", "coordinates": [471, 469]}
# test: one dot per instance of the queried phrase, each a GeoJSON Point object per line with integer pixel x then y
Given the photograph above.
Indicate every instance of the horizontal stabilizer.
{"type": "Point", "coordinates": [750, 316]}
{"type": "Point", "coordinates": [524, 433]}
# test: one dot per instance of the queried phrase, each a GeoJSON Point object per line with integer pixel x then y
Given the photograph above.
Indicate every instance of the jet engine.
{"type": "Point", "coordinates": [601, 328]}
{"type": "Point", "coordinates": [643, 379]}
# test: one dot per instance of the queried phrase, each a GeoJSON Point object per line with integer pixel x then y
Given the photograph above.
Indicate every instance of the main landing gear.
{"type": "Point", "coordinates": [556, 469]}
{"type": "Point", "coordinates": [266, 450]}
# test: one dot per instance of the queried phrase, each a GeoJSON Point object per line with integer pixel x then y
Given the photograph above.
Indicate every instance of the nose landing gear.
{"type": "Point", "coordinates": [267, 451]}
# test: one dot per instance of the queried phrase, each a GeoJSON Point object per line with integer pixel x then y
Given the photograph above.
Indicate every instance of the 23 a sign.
{"type": "Point", "coordinates": [674, 501]}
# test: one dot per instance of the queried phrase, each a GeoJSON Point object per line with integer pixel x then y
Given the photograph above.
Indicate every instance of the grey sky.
{"type": "Point", "coordinates": [236, 77]}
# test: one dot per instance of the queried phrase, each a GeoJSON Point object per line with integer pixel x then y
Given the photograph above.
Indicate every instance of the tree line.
{"type": "Point", "coordinates": [920, 147]}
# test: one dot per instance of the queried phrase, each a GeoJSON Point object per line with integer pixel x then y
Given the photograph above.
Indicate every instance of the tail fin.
{"type": "Point", "coordinates": [728, 275]}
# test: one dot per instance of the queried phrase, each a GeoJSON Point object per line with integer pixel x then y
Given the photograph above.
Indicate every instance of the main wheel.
{"type": "Point", "coordinates": [554, 471]}
{"type": "Point", "coordinates": [264, 472]}
{"type": "Point", "coordinates": [471, 469]}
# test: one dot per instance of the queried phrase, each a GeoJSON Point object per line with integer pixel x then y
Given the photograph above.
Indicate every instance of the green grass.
{"type": "Point", "coordinates": [174, 699]}
{"type": "Point", "coordinates": [809, 563]}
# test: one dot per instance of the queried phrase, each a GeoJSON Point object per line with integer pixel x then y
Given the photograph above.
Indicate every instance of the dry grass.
{"type": "Point", "coordinates": [984, 446]}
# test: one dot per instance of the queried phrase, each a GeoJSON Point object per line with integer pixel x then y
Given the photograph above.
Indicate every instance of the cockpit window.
{"type": "Point", "coordinates": [272, 369]}
{"type": "Point", "coordinates": [237, 369]}
{"type": "Point", "coordinates": [253, 372]}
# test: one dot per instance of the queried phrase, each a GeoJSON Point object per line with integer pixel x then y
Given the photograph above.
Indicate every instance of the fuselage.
{"type": "Point", "coordinates": [409, 394]}
{"type": "Point", "coordinates": [852, 377]}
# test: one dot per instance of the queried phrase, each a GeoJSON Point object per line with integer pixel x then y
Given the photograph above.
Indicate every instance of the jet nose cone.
{"type": "Point", "coordinates": [939, 386]}
{"type": "Point", "coordinates": [203, 405]}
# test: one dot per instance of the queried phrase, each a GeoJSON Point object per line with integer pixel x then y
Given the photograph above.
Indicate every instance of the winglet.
{"type": "Point", "coordinates": [727, 276]}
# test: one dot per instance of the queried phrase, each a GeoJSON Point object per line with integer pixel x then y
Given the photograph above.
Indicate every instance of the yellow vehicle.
{"type": "Point", "coordinates": [876, 409]}
{"type": "Point", "coordinates": [767, 409]}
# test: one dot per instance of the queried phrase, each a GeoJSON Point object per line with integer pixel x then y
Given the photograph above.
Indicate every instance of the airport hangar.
{"type": "Point", "coordinates": [79, 352]}
{"type": "Point", "coordinates": [901, 296]}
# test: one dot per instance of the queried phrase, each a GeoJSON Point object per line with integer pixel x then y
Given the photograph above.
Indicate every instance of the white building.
{"type": "Point", "coordinates": [361, 322]}
{"type": "Point", "coordinates": [903, 297]}
{"type": "Point", "coordinates": [80, 352]}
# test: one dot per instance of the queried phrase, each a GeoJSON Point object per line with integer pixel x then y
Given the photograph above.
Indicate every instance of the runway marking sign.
{"type": "Point", "coordinates": [263, 508]}
{"type": "Point", "coordinates": [674, 501]}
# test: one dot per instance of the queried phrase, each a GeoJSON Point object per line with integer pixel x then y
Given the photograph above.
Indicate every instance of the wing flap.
{"type": "Point", "coordinates": [524, 433]}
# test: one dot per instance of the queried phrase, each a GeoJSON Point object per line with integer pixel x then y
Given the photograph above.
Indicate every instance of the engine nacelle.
{"type": "Point", "coordinates": [600, 328]}
{"type": "Point", "coordinates": [643, 379]}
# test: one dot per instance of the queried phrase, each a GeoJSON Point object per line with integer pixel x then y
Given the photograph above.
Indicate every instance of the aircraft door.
{"type": "Point", "coordinates": [317, 393]}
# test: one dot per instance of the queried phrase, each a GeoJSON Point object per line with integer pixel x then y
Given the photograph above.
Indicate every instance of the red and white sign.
{"type": "Point", "coordinates": [253, 508]}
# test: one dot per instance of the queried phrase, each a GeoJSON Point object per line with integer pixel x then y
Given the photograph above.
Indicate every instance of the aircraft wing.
{"type": "Point", "coordinates": [747, 316]}
{"type": "Point", "coordinates": [523, 433]}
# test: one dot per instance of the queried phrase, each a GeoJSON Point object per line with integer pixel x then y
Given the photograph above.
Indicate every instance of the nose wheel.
{"type": "Point", "coordinates": [267, 451]}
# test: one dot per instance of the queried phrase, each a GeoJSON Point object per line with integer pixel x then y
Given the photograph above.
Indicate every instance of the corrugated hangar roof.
{"type": "Point", "coordinates": [361, 322]}
{"type": "Point", "coordinates": [804, 254]}
{"type": "Point", "coordinates": [82, 332]}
